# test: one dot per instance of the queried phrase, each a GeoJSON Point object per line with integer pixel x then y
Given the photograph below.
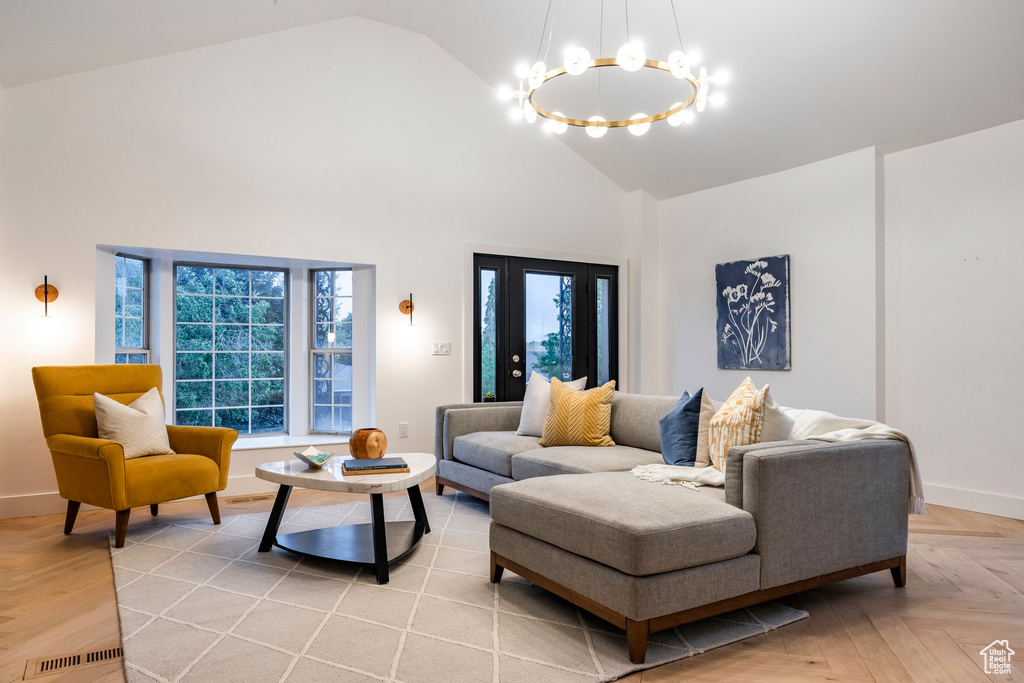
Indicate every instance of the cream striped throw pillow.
{"type": "Point", "coordinates": [579, 418]}
{"type": "Point", "coordinates": [139, 426]}
{"type": "Point", "coordinates": [737, 422]}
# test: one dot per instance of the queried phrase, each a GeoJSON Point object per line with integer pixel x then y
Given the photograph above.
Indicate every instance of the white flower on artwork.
{"type": "Point", "coordinates": [750, 304]}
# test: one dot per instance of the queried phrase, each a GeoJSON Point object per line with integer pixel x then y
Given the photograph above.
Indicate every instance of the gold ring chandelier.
{"type": "Point", "coordinates": [630, 57]}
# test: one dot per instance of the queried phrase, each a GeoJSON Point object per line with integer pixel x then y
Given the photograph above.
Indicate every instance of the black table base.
{"type": "Point", "coordinates": [375, 544]}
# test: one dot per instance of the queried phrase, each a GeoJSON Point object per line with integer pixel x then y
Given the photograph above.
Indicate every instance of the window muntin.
{"type": "Point", "coordinates": [230, 343]}
{"type": "Point", "coordinates": [331, 352]}
{"type": "Point", "coordinates": [131, 309]}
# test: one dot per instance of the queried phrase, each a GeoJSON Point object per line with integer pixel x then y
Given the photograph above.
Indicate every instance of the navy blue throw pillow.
{"type": "Point", "coordinates": [679, 430]}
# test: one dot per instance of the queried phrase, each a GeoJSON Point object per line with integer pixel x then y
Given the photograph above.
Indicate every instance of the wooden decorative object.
{"type": "Point", "coordinates": [367, 443]}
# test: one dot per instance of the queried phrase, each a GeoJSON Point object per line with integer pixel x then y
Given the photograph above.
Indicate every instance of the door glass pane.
{"type": "Point", "coordinates": [549, 325]}
{"type": "Point", "coordinates": [488, 332]}
{"type": "Point", "coordinates": [604, 330]}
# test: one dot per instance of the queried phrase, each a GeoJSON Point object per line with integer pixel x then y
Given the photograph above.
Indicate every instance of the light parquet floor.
{"type": "Point", "coordinates": [965, 588]}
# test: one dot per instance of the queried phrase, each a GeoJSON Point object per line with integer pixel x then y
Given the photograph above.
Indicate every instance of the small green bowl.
{"type": "Point", "coordinates": [316, 462]}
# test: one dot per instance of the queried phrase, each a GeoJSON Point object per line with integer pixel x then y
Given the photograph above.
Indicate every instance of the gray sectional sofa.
{"type": "Point", "coordinates": [644, 556]}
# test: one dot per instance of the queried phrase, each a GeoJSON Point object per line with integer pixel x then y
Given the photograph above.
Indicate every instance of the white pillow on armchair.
{"type": "Point", "coordinates": [537, 401]}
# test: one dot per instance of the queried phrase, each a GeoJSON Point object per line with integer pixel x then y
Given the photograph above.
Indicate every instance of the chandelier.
{"type": "Point", "coordinates": [631, 57]}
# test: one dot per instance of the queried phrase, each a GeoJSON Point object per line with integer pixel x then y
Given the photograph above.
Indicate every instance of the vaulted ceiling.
{"type": "Point", "coordinates": [810, 79]}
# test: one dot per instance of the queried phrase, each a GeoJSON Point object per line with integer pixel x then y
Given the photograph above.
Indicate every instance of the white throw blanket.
{"type": "Point", "coordinates": [812, 425]}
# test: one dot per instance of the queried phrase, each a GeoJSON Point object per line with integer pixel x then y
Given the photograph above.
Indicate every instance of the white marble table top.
{"type": "Point", "coordinates": [295, 473]}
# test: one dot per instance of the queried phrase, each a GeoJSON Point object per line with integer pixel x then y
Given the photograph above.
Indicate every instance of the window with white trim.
{"type": "Point", "coordinates": [230, 347]}
{"type": "Point", "coordinates": [131, 309]}
{"type": "Point", "coordinates": [330, 351]}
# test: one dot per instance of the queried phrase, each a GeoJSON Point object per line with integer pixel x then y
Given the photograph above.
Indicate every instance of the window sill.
{"type": "Point", "coordinates": [264, 442]}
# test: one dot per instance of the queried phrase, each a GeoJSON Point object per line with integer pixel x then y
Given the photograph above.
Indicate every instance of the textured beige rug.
{"type": "Point", "coordinates": [199, 603]}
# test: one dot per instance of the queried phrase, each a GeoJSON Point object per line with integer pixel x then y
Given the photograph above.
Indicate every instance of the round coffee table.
{"type": "Point", "coordinates": [375, 544]}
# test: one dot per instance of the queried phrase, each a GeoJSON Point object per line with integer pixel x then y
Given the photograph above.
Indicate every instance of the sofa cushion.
{"type": "Point", "coordinates": [635, 526]}
{"type": "Point", "coordinates": [635, 419]}
{"type": "Point", "coordinates": [492, 451]}
{"type": "Point", "coordinates": [579, 460]}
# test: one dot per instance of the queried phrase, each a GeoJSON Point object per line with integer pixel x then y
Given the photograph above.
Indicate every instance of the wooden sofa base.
{"type": "Point", "coordinates": [441, 482]}
{"type": "Point", "coordinates": [637, 632]}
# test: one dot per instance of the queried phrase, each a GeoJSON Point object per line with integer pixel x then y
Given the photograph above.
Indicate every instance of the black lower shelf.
{"type": "Point", "coordinates": [352, 542]}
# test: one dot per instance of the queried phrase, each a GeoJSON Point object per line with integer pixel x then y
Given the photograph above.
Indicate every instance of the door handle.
{"type": "Point", "coordinates": [517, 373]}
{"type": "Point", "coordinates": [515, 358]}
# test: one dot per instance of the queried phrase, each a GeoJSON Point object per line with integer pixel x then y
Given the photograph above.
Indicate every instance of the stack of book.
{"type": "Point", "coordinates": [376, 466]}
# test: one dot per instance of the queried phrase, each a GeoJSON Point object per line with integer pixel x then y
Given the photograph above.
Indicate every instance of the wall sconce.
{"type": "Point", "coordinates": [46, 293]}
{"type": "Point", "coordinates": [407, 308]}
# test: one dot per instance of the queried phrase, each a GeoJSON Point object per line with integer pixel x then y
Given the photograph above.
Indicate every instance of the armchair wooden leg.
{"type": "Point", "coordinates": [69, 520]}
{"type": "Point", "coordinates": [496, 569]}
{"type": "Point", "coordinates": [899, 574]}
{"type": "Point", "coordinates": [636, 639]}
{"type": "Point", "coordinates": [121, 528]}
{"type": "Point", "coordinates": [153, 509]}
{"type": "Point", "coordinates": [211, 501]}
{"type": "Point", "coordinates": [438, 487]}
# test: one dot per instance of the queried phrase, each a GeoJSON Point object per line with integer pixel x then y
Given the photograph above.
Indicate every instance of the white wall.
{"type": "Point", "coordinates": [823, 216]}
{"type": "Point", "coordinates": [344, 141]}
{"type": "Point", "coordinates": [954, 249]}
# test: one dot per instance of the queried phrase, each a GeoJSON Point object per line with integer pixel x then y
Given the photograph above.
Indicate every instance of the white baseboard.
{"type": "Point", "coordinates": [975, 501]}
{"type": "Point", "coordinates": [50, 502]}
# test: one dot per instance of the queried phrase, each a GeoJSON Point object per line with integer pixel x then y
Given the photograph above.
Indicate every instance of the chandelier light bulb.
{"type": "Point", "coordinates": [577, 60]}
{"type": "Point", "coordinates": [529, 113]}
{"type": "Point", "coordinates": [694, 57]}
{"type": "Point", "coordinates": [536, 75]}
{"type": "Point", "coordinates": [522, 71]}
{"type": "Point", "coordinates": [721, 77]}
{"type": "Point", "coordinates": [717, 100]}
{"type": "Point", "coordinates": [505, 93]}
{"type": "Point", "coordinates": [679, 65]}
{"type": "Point", "coordinates": [677, 118]}
{"type": "Point", "coordinates": [516, 113]}
{"type": "Point", "coordinates": [331, 337]}
{"type": "Point", "coordinates": [687, 116]}
{"type": "Point", "coordinates": [702, 90]}
{"type": "Point", "coordinates": [557, 127]}
{"type": "Point", "coordinates": [596, 131]}
{"type": "Point", "coordinates": [631, 56]}
{"type": "Point", "coordinates": [638, 128]}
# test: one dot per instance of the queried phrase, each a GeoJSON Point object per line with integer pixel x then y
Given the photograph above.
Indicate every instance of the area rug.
{"type": "Point", "coordinates": [198, 603]}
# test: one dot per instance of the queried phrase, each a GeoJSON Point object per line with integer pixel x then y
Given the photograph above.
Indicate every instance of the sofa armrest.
{"type": "Point", "coordinates": [212, 442]}
{"type": "Point", "coordinates": [89, 470]}
{"type": "Point", "coordinates": [443, 447]}
{"type": "Point", "coordinates": [85, 447]}
{"type": "Point", "coordinates": [822, 507]}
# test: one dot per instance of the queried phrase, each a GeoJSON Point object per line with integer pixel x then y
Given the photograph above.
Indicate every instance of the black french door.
{"type": "Point", "coordinates": [557, 318]}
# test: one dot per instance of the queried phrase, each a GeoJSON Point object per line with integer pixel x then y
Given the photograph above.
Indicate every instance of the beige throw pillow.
{"type": "Point", "coordinates": [537, 401]}
{"type": "Point", "coordinates": [139, 426]}
{"type": "Point", "coordinates": [708, 408]}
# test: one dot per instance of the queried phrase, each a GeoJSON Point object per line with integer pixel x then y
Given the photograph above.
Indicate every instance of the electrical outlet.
{"type": "Point", "coordinates": [442, 348]}
{"type": "Point", "coordinates": [403, 430]}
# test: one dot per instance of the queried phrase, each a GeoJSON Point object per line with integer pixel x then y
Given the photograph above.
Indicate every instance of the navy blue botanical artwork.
{"type": "Point", "coordinates": [753, 314]}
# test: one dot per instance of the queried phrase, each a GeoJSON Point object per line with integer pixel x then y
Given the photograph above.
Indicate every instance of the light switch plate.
{"type": "Point", "coordinates": [442, 348]}
{"type": "Point", "coordinates": [403, 430]}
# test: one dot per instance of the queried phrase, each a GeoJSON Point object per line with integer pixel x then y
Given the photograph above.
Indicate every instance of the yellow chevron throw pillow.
{"type": "Point", "coordinates": [579, 418]}
{"type": "Point", "coordinates": [737, 422]}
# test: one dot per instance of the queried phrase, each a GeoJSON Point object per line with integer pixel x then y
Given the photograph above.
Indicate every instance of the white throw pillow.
{"type": "Point", "coordinates": [775, 424]}
{"type": "Point", "coordinates": [138, 426]}
{"type": "Point", "coordinates": [537, 401]}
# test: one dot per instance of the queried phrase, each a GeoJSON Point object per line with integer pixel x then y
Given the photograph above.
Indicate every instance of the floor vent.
{"type": "Point", "coordinates": [36, 668]}
{"type": "Point", "coordinates": [249, 499]}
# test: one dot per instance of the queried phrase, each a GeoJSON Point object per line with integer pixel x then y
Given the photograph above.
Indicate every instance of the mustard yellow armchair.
{"type": "Point", "coordinates": [94, 471]}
